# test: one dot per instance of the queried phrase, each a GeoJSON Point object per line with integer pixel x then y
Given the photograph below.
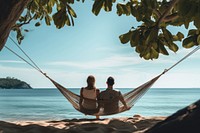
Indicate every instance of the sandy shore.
{"type": "Point", "coordinates": [135, 124]}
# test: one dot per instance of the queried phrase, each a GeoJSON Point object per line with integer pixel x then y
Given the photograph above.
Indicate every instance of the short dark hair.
{"type": "Point", "coordinates": [110, 81]}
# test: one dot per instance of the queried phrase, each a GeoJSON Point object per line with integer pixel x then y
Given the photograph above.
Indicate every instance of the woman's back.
{"type": "Point", "coordinates": [89, 93]}
{"type": "Point", "coordinates": [89, 98]}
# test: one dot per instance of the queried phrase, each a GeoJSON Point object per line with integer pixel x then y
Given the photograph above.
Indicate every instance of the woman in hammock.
{"type": "Point", "coordinates": [88, 97]}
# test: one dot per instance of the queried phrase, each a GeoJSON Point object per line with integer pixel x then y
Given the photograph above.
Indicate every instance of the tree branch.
{"type": "Point", "coordinates": [171, 17]}
{"type": "Point", "coordinates": [10, 12]}
{"type": "Point", "coordinates": [167, 11]}
{"type": "Point", "coordinates": [21, 24]}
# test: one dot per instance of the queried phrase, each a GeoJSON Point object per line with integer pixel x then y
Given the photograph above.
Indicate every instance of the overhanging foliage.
{"type": "Point", "coordinates": [149, 39]}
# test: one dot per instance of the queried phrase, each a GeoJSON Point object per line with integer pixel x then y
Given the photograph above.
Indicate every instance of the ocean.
{"type": "Point", "coordinates": [50, 104]}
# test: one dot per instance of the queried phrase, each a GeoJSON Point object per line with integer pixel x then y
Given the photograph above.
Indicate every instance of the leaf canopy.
{"type": "Point", "coordinates": [149, 39]}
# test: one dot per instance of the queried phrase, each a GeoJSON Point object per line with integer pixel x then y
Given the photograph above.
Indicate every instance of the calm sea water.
{"type": "Point", "coordinates": [49, 104]}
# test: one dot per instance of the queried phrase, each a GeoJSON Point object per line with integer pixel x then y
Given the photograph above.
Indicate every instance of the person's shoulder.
{"type": "Point", "coordinates": [104, 91]}
{"type": "Point", "coordinates": [116, 90]}
{"type": "Point", "coordinates": [97, 90]}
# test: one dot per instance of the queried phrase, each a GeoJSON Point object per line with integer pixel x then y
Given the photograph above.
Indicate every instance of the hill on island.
{"type": "Point", "coordinates": [13, 83]}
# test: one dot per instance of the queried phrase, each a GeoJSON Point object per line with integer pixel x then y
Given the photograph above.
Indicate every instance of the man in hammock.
{"type": "Point", "coordinates": [109, 99]}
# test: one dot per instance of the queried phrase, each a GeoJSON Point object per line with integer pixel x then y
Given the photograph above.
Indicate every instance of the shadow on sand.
{"type": "Point", "coordinates": [121, 125]}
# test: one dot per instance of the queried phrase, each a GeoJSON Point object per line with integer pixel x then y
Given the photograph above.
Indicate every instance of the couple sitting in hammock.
{"type": "Point", "coordinates": [92, 99]}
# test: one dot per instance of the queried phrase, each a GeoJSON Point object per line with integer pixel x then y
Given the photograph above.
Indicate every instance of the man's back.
{"type": "Point", "coordinates": [110, 100]}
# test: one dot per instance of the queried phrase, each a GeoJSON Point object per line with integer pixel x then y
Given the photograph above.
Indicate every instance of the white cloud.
{"type": "Point", "coordinates": [127, 78]}
{"type": "Point", "coordinates": [110, 62]}
{"type": "Point", "coordinates": [11, 61]}
{"type": "Point", "coordinates": [128, 71]}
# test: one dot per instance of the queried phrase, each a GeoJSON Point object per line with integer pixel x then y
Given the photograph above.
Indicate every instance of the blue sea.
{"type": "Point", "coordinates": [50, 104]}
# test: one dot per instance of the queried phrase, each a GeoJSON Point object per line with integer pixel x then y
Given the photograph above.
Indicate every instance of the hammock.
{"type": "Point", "coordinates": [129, 97]}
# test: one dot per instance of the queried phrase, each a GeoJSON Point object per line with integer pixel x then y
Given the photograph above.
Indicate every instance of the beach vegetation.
{"type": "Point", "coordinates": [13, 83]}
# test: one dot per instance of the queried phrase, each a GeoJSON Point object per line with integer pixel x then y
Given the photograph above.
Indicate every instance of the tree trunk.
{"type": "Point", "coordinates": [10, 11]}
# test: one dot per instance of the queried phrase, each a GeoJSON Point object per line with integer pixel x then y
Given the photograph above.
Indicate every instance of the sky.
{"type": "Point", "coordinates": [92, 47]}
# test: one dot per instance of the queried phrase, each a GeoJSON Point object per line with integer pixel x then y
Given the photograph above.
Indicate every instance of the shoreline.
{"type": "Point", "coordinates": [136, 124]}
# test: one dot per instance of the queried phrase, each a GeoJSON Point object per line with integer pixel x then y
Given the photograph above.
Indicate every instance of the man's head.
{"type": "Point", "coordinates": [110, 81]}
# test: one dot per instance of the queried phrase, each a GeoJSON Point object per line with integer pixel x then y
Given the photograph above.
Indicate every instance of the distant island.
{"type": "Point", "coordinates": [13, 83]}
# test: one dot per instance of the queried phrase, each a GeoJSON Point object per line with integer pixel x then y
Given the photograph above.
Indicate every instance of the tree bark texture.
{"type": "Point", "coordinates": [10, 11]}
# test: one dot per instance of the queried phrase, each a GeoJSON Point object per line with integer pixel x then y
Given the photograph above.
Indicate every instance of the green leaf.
{"type": "Point", "coordinates": [72, 20]}
{"type": "Point", "coordinates": [51, 3]}
{"type": "Point", "coordinates": [197, 22]}
{"type": "Point", "coordinates": [49, 9]}
{"type": "Point", "coordinates": [26, 30]}
{"type": "Point", "coordinates": [108, 5]}
{"type": "Point", "coordinates": [192, 32]}
{"type": "Point", "coordinates": [21, 19]}
{"type": "Point", "coordinates": [154, 45]}
{"type": "Point", "coordinates": [70, 1]}
{"type": "Point", "coordinates": [198, 39]}
{"type": "Point", "coordinates": [189, 42]}
{"type": "Point", "coordinates": [134, 40]}
{"type": "Point", "coordinates": [147, 56]}
{"type": "Point", "coordinates": [20, 37]}
{"type": "Point", "coordinates": [184, 8]}
{"type": "Point", "coordinates": [60, 18]}
{"type": "Point", "coordinates": [67, 20]}
{"type": "Point", "coordinates": [167, 34]}
{"type": "Point", "coordinates": [43, 2]}
{"type": "Point", "coordinates": [37, 24]}
{"type": "Point", "coordinates": [47, 20]}
{"type": "Point", "coordinates": [98, 4]}
{"type": "Point", "coordinates": [119, 9]}
{"type": "Point", "coordinates": [175, 38]}
{"type": "Point", "coordinates": [123, 9]}
{"type": "Point", "coordinates": [162, 48]}
{"type": "Point", "coordinates": [133, 11]}
{"type": "Point", "coordinates": [187, 23]}
{"type": "Point", "coordinates": [180, 36]}
{"type": "Point", "coordinates": [154, 53]}
{"type": "Point", "coordinates": [173, 47]}
{"type": "Point", "coordinates": [139, 49]}
{"type": "Point", "coordinates": [125, 38]}
{"type": "Point", "coordinates": [71, 11]}
{"type": "Point", "coordinates": [152, 35]}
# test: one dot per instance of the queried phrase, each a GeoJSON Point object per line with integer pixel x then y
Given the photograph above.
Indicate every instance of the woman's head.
{"type": "Point", "coordinates": [91, 80]}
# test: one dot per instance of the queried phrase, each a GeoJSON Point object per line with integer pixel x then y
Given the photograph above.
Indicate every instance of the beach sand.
{"type": "Point", "coordinates": [135, 124]}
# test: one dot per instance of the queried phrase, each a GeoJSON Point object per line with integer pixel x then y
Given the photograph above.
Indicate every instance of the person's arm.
{"type": "Point", "coordinates": [99, 100]}
{"type": "Point", "coordinates": [98, 97]}
{"type": "Point", "coordinates": [81, 97]}
{"type": "Point", "coordinates": [121, 98]}
{"type": "Point", "coordinates": [97, 92]}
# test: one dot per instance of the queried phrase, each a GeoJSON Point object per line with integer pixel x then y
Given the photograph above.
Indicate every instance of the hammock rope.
{"type": "Point", "coordinates": [25, 54]}
{"type": "Point", "coordinates": [186, 56]}
{"type": "Point", "coordinates": [130, 97]}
